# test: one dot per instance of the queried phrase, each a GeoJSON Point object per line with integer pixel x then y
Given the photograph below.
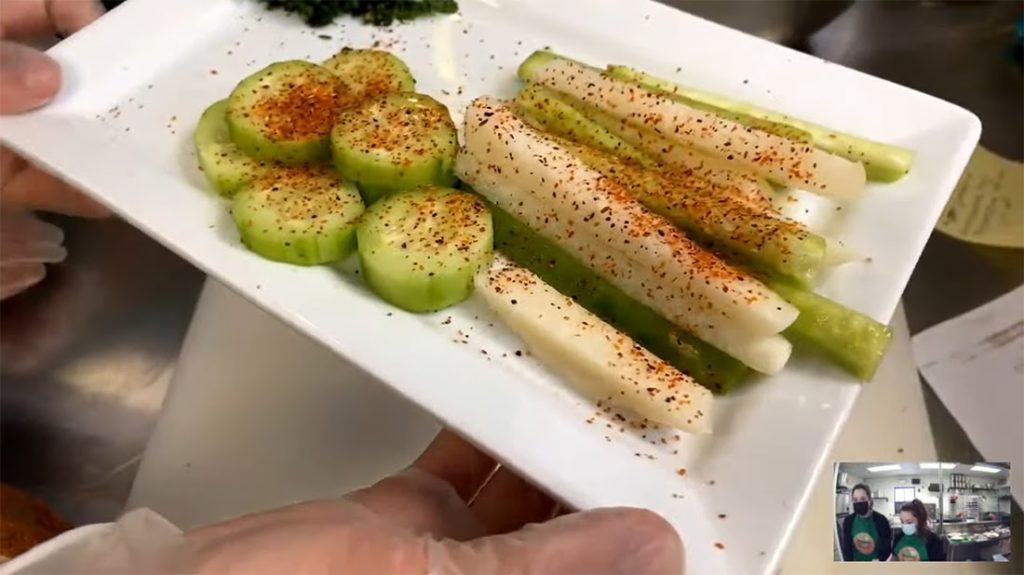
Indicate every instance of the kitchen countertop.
{"type": "Point", "coordinates": [88, 354]}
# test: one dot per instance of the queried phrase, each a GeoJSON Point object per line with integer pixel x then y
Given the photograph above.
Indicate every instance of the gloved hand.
{"type": "Point", "coordinates": [449, 513]}
{"type": "Point", "coordinates": [26, 244]}
{"type": "Point", "coordinates": [29, 79]}
{"type": "Point", "coordinates": [436, 518]}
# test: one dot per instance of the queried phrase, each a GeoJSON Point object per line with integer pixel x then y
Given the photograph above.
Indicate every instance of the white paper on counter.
{"type": "Point", "coordinates": [975, 364]}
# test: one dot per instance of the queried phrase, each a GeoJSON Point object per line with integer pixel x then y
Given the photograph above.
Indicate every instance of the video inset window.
{"type": "Point", "coordinates": [922, 511]}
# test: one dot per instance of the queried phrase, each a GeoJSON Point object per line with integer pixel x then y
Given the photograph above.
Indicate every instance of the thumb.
{"type": "Point", "coordinates": [620, 540]}
{"type": "Point", "coordinates": [28, 78]}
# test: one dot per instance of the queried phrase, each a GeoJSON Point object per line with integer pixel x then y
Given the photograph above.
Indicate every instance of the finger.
{"type": "Point", "coordinates": [24, 19]}
{"type": "Point", "coordinates": [36, 190]}
{"type": "Point", "coordinates": [10, 164]}
{"type": "Point", "coordinates": [454, 460]}
{"type": "Point", "coordinates": [507, 502]}
{"type": "Point", "coordinates": [601, 541]}
{"type": "Point", "coordinates": [29, 19]}
{"type": "Point", "coordinates": [313, 537]}
{"type": "Point", "coordinates": [16, 254]}
{"type": "Point", "coordinates": [16, 279]}
{"type": "Point", "coordinates": [70, 16]}
{"type": "Point", "coordinates": [421, 503]}
{"type": "Point", "coordinates": [23, 226]}
{"type": "Point", "coordinates": [321, 511]}
{"type": "Point", "coordinates": [28, 77]}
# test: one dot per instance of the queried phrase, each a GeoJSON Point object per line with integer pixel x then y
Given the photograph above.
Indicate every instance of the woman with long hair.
{"type": "Point", "coordinates": [915, 541]}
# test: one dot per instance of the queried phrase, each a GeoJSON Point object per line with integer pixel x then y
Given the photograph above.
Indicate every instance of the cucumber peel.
{"type": "Point", "coordinates": [847, 338]}
{"type": "Point", "coordinates": [225, 167]}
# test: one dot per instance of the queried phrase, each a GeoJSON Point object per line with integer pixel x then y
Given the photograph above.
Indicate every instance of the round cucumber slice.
{"type": "Point", "coordinates": [225, 166]}
{"type": "Point", "coordinates": [299, 215]}
{"type": "Point", "coordinates": [285, 112]}
{"type": "Point", "coordinates": [395, 142]}
{"type": "Point", "coordinates": [371, 73]}
{"type": "Point", "coordinates": [420, 250]}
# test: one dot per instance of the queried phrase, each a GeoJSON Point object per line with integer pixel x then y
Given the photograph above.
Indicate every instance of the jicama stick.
{"type": "Point", "coordinates": [758, 237]}
{"type": "Point", "coordinates": [599, 360]}
{"type": "Point", "coordinates": [784, 161]}
{"type": "Point", "coordinates": [555, 193]}
{"type": "Point", "coordinates": [710, 366]}
{"type": "Point", "coordinates": [882, 162]}
{"type": "Point", "coordinates": [561, 115]}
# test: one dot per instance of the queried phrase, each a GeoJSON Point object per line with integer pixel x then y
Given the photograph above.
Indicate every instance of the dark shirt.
{"type": "Point", "coordinates": [884, 536]}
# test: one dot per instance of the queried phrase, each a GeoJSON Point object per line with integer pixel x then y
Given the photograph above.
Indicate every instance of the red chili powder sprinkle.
{"type": "Point", "coordinates": [305, 111]}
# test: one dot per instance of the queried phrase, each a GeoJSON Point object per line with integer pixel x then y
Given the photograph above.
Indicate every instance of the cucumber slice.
{"type": "Point", "coordinates": [420, 250]}
{"type": "Point", "coordinates": [285, 112]}
{"type": "Point", "coordinates": [395, 142]}
{"type": "Point", "coordinates": [226, 167]}
{"type": "Point", "coordinates": [299, 215]}
{"type": "Point", "coordinates": [371, 73]}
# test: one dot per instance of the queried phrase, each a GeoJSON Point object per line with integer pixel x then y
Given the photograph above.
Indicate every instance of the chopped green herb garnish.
{"type": "Point", "coordinates": [375, 12]}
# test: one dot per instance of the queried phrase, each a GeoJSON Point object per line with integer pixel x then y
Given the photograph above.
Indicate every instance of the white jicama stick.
{"type": "Point", "coordinates": [785, 161]}
{"type": "Point", "coordinates": [603, 363]}
{"type": "Point", "coordinates": [731, 182]}
{"type": "Point", "coordinates": [838, 253]}
{"type": "Point", "coordinates": [560, 197]}
{"type": "Point", "coordinates": [767, 353]}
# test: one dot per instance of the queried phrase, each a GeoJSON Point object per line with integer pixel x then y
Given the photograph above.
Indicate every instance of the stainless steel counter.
{"type": "Point", "coordinates": [87, 355]}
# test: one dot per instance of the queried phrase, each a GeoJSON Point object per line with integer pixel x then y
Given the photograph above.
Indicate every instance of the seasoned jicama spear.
{"type": "Point", "coordinates": [593, 356]}
{"type": "Point", "coordinates": [882, 162]}
{"type": "Point", "coordinates": [787, 162]}
{"type": "Point", "coordinates": [529, 175]}
{"type": "Point", "coordinates": [711, 367]}
{"type": "Point", "coordinates": [779, 246]}
{"type": "Point", "coordinates": [730, 181]}
{"type": "Point", "coordinates": [563, 116]}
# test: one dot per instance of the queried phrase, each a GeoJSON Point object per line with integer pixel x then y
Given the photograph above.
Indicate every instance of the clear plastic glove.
{"type": "Point", "coordinates": [30, 79]}
{"type": "Point", "coordinates": [436, 518]}
{"type": "Point", "coordinates": [26, 245]}
{"type": "Point", "coordinates": [449, 513]}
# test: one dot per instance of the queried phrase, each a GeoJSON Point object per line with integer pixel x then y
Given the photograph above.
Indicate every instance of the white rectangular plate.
{"type": "Point", "coordinates": [137, 80]}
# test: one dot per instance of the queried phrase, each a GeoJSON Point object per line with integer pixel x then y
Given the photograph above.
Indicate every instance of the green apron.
{"type": "Point", "coordinates": [911, 548]}
{"type": "Point", "coordinates": [865, 538]}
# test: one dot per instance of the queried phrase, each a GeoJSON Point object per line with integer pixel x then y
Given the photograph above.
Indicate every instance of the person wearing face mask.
{"type": "Point", "coordinates": [915, 541]}
{"type": "Point", "coordinates": [866, 533]}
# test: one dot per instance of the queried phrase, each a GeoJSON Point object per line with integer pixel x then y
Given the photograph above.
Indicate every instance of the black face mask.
{"type": "Point", "coordinates": [860, 507]}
